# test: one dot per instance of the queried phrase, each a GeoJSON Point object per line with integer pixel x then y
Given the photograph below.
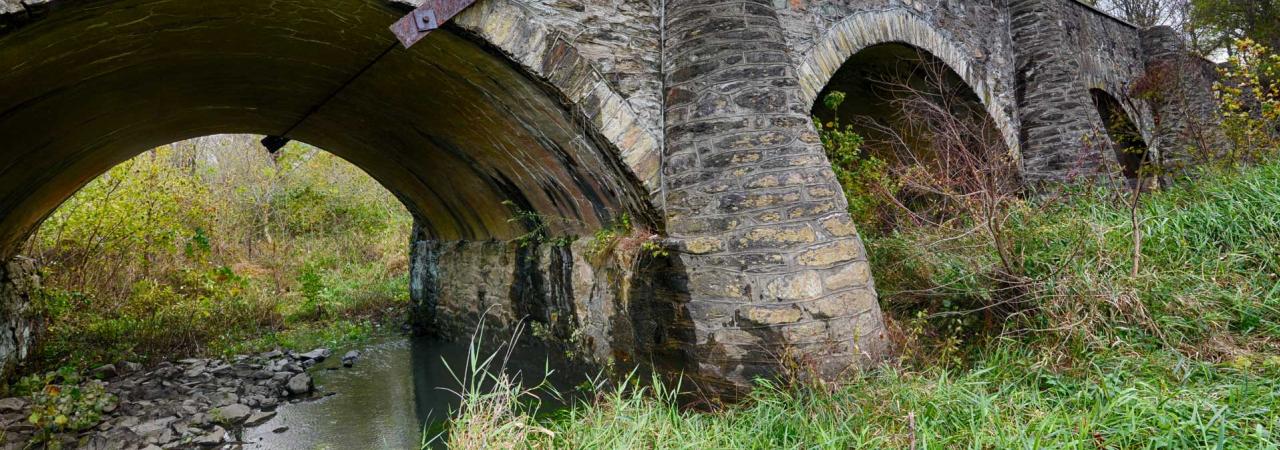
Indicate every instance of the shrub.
{"type": "Point", "coordinates": [1249, 100]}
{"type": "Point", "coordinates": [61, 401]}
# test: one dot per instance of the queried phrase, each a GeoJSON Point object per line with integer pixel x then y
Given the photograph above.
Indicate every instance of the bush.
{"type": "Point", "coordinates": [182, 250]}
{"type": "Point", "coordinates": [1249, 99]}
{"type": "Point", "coordinates": [863, 177]}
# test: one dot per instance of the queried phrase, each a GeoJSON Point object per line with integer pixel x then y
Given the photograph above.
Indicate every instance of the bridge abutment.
{"type": "Point", "coordinates": [19, 280]}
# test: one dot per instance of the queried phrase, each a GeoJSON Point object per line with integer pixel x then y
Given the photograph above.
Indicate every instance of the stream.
{"type": "Point", "coordinates": [396, 387]}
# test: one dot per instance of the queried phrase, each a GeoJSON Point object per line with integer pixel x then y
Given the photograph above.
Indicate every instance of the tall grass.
{"type": "Point", "coordinates": [1012, 397]}
{"type": "Point", "coordinates": [1179, 355]}
{"type": "Point", "coordinates": [496, 409]}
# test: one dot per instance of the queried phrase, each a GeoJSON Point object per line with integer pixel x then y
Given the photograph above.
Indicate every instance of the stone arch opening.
{"type": "Point", "coordinates": [1122, 133]}
{"type": "Point", "coordinates": [882, 84]}
{"type": "Point", "coordinates": [212, 241]}
{"type": "Point", "coordinates": [916, 116]}
{"type": "Point", "coordinates": [859, 32]}
{"type": "Point", "coordinates": [472, 126]}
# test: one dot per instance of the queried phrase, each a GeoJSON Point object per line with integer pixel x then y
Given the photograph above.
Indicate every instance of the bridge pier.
{"type": "Point", "coordinates": [774, 264]}
{"type": "Point", "coordinates": [1053, 102]}
{"type": "Point", "coordinates": [607, 303]}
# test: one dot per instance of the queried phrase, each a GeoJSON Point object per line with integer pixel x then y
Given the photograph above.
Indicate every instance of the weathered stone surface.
{"type": "Point", "coordinates": [215, 437]}
{"type": "Point", "coordinates": [18, 281]}
{"type": "Point", "coordinates": [12, 405]}
{"type": "Point", "coordinates": [232, 414]}
{"type": "Point", "coordinates": [299, 384]}
{"type": "Point", "coordinates": [705, 63]}
{"type": "Point", "coordinates": [259, 417]}
{"type": "Point", "coordinates": [317, 355]}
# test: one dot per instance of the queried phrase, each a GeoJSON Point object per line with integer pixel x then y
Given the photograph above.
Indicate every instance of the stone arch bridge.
{"type": "Point", "coordinates": [691, 118]}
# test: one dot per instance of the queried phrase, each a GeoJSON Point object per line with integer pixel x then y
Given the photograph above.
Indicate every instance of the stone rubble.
{"type": "Point", "coordinates": [190, 403]}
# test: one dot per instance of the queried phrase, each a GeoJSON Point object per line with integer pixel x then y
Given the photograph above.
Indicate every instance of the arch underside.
{"type": "Point", "coordinates": [450, 126]}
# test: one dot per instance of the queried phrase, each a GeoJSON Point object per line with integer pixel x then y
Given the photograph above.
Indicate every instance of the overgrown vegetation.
{"type": "Point", "coordinates": [213, 245]}
{"type": "Point", "coordinates": [1023, 321]}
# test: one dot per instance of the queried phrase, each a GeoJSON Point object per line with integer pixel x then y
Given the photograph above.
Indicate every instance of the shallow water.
{"type": "Point", "coordinates": [395, 388]}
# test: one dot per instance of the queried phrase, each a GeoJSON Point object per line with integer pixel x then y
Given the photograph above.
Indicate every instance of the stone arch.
{"type": "Point", "coordinates": [1110, 79]}
{"type": "Point", "coordinates": [855, 33]}
{"type": "Point", "coordinates": [561, 141]}
{"type": "Point", "coordinates": [1126, 137]}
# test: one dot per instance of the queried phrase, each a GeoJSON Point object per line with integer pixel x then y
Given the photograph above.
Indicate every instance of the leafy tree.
{"type": "Point", "coordinates": [1225, 21]}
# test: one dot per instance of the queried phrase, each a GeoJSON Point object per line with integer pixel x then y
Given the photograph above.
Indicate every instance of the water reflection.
{"type": "Point", "coordinates": [398, 386]}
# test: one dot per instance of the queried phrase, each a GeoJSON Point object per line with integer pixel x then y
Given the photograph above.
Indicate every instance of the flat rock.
{"type": "Point", "coordinates": [319, 354]}
{"type": "Point", "coordinates": [12, 405]}
{"type": "Point", "coordinates": [154, 427]}
{"type": "Point", "coordinates": [233, 414]}
{"type": "Point", "coordinates": [259, 417]}
{"type": "Point", "coordinates": [223, 398]}
{"type": "Point", "coordinates": [212, 438]}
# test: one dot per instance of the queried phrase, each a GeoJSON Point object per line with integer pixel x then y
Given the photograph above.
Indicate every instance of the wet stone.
{"type": "Point", "coordinates": [232, 414]}
{"type": "Point", "coordinates": [299, 384]}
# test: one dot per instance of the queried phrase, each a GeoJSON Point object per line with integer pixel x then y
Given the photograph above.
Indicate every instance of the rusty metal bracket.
{"type": "Point", "coordinates": [413, 27]}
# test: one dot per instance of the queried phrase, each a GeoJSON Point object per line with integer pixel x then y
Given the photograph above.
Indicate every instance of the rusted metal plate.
{"type": "Point", "coordinates": [413, 27]}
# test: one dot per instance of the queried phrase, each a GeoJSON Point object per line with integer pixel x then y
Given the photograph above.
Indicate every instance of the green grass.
{"type": "Point", "coordinates": [1180, 355]}
{"type": "Point", "coordinates": [1011, 397]}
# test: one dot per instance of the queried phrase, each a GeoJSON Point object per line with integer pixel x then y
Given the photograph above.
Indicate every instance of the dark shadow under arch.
{"type": "Point", "coordinates": [1130, 148]}
{"type": "Point", "coordinates": [879, 79]}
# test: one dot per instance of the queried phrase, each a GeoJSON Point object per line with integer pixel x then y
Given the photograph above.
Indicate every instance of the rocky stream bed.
{"type": "Point", "coordinates": [190, 403]}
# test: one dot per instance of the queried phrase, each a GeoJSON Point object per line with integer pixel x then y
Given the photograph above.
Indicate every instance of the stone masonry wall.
{"type": "Point", "coordinates": [1185, 118]}
{"type": "Point", "coordinates": [620, 37]}
{"type": "Point", "coordinates": [1055, 109]}
{"type": "Point", "coordinates": [773, 262]}
{"type": "Point", "coordinates": [1032, 62]}
{"type": "Point", "coordinates": [18, 281]}
{"type": "Point", "coordinates": [569, 295]}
